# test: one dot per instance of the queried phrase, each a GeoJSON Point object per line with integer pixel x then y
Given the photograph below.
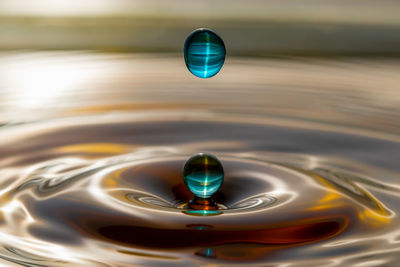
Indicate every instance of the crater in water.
{"type": "Point", "coordinates": [109, 190]}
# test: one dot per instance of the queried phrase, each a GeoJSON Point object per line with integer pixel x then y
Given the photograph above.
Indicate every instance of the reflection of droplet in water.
{"type": "Point", "coordinates": [202, 212]}
{"type": "Point", "coordinates": [199, 226]}
{"type": "Point", "coordinates": [204, 53]}
{"type": "Point", "coordinates": [206, 252]}
{"type": "Point", "coordinates": [203, 174]}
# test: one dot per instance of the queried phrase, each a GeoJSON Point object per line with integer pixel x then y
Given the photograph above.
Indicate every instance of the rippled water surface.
{"type": "Point", "coordinates": [92, 175]}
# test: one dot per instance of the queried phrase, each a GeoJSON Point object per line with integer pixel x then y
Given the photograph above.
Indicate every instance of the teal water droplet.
{"type": "Point", "coordinates": [203, 174]}
{"type": "Point", "coordinates": [204, 53]}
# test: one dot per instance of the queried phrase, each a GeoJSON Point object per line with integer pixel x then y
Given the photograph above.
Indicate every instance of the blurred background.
{"type": "Point", "coordinates": [333, 61]}
{"type": "Point", "coordinates": [250, 28]}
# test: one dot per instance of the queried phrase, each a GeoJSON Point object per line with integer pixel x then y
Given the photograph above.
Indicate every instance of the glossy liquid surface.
{"type": "Point", "coordinates": [98, 181]}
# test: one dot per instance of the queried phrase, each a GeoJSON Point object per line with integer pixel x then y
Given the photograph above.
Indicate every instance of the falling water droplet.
{"type": "Point", "coordinates": [203, 174]}
{"type": "Point", "coordinates": [204, 53]}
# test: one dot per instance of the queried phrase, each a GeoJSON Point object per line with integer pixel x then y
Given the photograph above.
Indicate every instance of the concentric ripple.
{"type": "Point", "coordinates": [111, 192]}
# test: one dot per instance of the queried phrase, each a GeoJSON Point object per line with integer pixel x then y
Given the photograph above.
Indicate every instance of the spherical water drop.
{"type": "Point", "coordinates": [203, 174]}
{"type": "Point", "coordinates": [204, 53]}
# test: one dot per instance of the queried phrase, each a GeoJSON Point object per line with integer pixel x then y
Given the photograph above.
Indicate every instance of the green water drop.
{"type": "Point", "coordinates": [203, 174]}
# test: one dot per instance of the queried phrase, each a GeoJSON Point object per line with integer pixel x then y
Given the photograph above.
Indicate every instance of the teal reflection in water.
{"type": "Point", "coordinates": [203, 212]}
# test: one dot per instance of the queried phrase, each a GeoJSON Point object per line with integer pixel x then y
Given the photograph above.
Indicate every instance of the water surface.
{"type": "Point", "coordinates": [92, 155]}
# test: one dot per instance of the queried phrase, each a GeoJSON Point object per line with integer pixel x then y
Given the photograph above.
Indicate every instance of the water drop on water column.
{"type": "Point", "coordinates": [204, 53]}
{"type": "Point", "coordinates": [203, 174]}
